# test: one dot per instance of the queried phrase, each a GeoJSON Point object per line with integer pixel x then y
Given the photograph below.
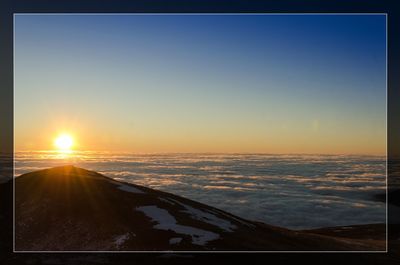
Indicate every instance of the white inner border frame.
{"type": "Point", "coordinates": [201, 251]}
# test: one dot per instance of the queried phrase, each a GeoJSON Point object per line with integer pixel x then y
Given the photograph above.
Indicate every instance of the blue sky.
{"type": "Point", "coordinates": [198, 83]}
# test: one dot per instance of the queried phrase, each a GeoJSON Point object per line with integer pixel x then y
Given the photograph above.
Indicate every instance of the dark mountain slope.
{"type": "Point", "coordinates": [68, 208]}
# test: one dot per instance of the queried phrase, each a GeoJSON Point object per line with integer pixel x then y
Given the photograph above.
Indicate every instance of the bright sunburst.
{"type": "Point", "coordinates": [64, 142]}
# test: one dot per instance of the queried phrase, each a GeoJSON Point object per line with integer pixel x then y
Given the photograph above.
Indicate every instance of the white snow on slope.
{"type": "Point", "coordinates": [126, 188]}
{"type": "Point", "coordinates": [129, 189]}
{"type": "Point", "coordinates": [120, 240]}
{"type": "Point", "coordinates": [168, 222]}
{"type": "Point", "coordinates": [207, 217]}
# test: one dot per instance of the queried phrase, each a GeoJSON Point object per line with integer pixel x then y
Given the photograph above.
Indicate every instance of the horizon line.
{"type": "Point", "coordinates": [204, 152]}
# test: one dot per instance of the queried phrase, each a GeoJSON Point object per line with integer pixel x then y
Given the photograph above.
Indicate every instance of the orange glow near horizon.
{"type": "Point", "coordinates": [190, 84]}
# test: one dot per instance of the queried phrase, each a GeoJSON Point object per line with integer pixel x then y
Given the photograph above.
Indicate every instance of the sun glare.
{"type": "Point", "coordinates": [64, 142]}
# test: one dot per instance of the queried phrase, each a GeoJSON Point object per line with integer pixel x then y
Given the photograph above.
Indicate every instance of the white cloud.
{"type": "Point", "coordinates": [295, 191]}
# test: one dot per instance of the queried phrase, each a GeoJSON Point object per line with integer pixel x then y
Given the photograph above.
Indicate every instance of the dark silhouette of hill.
{"type": "Point", "coordinates": [69, 208]}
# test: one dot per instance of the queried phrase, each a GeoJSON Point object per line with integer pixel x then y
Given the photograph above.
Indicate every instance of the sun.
{"type": "Point", "coordinates": [64, 142]}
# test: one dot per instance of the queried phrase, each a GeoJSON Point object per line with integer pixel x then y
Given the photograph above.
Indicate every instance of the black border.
{"type": "Point", "coordinates": [8, 7]}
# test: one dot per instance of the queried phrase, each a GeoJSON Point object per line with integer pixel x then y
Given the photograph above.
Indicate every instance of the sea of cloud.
{"type": "Point", "coordinates": [293, 191]}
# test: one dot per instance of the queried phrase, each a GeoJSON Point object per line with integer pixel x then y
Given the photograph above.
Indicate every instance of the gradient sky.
{"type": "Point", "coordinates": [202, 83]}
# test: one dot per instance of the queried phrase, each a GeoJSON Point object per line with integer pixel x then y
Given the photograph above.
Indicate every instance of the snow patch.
{"type": "Point", "coordinates": [175, 240]}
{"type": "Point", "coordinates": [126, 188]}
{"type": "Point", "coordinates": [207, 217]}
{"type": "Point", "coordinates": [120, 240]}
{"type": "Point", "coordinates": [129, 189]}
{"type": "Point", "coordinates": [168, 222]}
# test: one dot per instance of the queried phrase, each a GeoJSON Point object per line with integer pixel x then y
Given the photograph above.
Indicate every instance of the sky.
{"type": "Point", "coordinates": [202, 83]}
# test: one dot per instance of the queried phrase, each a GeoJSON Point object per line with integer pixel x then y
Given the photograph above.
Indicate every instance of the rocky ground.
{"type": "Point", "coordinates": [72, 209]}
{"type": "Point", "coordinates": [69, 208]}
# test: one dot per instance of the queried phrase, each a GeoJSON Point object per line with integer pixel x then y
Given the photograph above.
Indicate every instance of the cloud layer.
{"type": "Point", "coordinates": [294, 191]}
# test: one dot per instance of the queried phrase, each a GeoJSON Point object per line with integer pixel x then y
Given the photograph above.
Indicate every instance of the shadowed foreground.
{"type": "Point", "coordinates": [69, 209]}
